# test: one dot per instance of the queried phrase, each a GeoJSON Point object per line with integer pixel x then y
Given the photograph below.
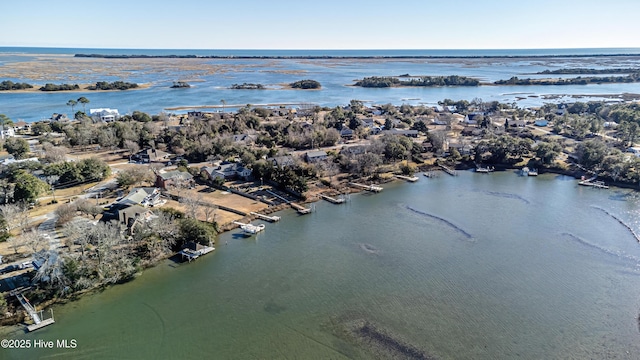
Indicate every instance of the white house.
{"type": "Point", "coordinates": [7, 133]}
{"type": "Point", "coordinates": [104, 114]}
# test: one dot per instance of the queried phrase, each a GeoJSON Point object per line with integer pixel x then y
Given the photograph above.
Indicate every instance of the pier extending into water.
{"type": "Point", "coordinates": [372, 188]}
{"type": "Point", "coordinates": [38, 321]}
{"type": "Point", "coordinates": [301, 209]}
{"type": "Point", "coordinates": [191, 254]}
{"type": "Point", "coordinates": [593, 183]}
{"type": "Point", "coordinates": [408, 178]}
{"type": "Point", "coordinates": [265, 217]}
{"type": "Point", "coordinates": [332, 200]}
{"type": "Point", "coordinates": [448, 171]}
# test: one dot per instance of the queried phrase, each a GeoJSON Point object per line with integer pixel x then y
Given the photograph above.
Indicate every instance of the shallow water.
{"type": "Point", "coordinates": [549, 277]}
{"type": "Point", "coordinates": [213, 77]}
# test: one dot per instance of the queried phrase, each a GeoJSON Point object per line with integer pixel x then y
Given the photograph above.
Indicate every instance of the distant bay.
{"type": "Point", "coordinates": [211, 78]}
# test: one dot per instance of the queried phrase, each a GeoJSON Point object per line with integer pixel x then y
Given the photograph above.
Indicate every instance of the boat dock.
{"type": "Point", "coordinates": [38, 321]}
{"type": "Point", "coordinates": [300, 209]}
{"type": "Point", "coordinates": [250, 228]}
{"type": "Point", "coordinates": [372, 188]}
{"type": "Point", "coordinates": [265, 217]}
{"type": "Point", "coordinates": [484, 170]}
{"type": "Point", "coordinates": [333, 200]}
{"type": "Point", "coordinates": [190, 254]}
{"type": "Point", "coordinates": [408, 178]}
{"type": "Point", "coordinates": [593, 183]}
{"type": "Point", "coordinates": [448, 171]}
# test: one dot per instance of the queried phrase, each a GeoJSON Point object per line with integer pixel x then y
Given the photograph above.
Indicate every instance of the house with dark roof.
{"type": "Point", "coordinates": [130, 215]}
{"type": "Point", "coordinates": [346, 133]}
{"type": "Point", "coordinates": [174, 178]}
{"type": "Point", "coordinates": [315, 156]}
{"type": "Point", "coordinates": [151, 155]}
{"type": "Point", "coordinates": [59, 117]}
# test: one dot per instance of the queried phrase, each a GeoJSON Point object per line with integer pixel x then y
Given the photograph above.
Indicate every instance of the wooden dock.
{"type": "Point", "coordinates": [448, 171]}
{"type": "Point", "coordinates": [265, 217]}
{"type": "Point", "coordinates": [594, 184]}
{"type": "Point", "coordinates": [372, 188]}
{"type": "Point", "coordinates": [38, 321]}
{"type": "Point", "coordinates": [333, 200]}
{"type": "Point", "coordinates": [408, 178]}
{"type": "Point", "coordinates": [191, 254]}
{"type": "Point", "coordinates": [300, 209]}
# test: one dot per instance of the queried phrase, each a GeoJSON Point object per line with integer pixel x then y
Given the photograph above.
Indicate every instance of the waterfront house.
{"type": "Point", "coordinates": [196, 115]}
{"type": "Point", "coordinates": [59, 117]}
{"type": "Point", "coordinates": [226, 171]}
{"type": "Point", "coordinates": [130, 215]}
{"type": "Point", "coordinates": [104, 114]}
{"type": "Point", "coordinates": [315, 156]}
{"type": "Point", "coordinates": [144, 196]}
{"type": "Point", "coordinates": [174, 178]}
{"type": "Point", "coordinates": [22, 126]}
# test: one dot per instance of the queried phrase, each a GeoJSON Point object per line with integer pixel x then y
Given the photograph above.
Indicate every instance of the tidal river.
{"type": "Point", "coordinates": [477, 266]}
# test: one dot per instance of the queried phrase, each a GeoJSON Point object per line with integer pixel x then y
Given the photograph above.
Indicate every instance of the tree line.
{"type": "Point", "coordinates": [422, 81]}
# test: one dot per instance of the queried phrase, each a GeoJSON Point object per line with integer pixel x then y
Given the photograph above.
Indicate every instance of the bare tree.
{"type": "Point", "coordinates": [208, 211]}
{"type": "Point", "coordinates": [34, 240]}
{"type": "Point", "coordinates": [51, 271]}
{"type": "Point", "coordinates": [192, 205]}
{"type": "Point", "coordinates": [86, 207]}
{"type": "Point", "coordinates": [131, 146]}
{"type": "Point", "coordinates": [66, 212]}
{"type": "Point", "coordinates": [54, 154]}
{"type": "Point", "coordinates": [16, 216]}
{"type": "Point", "coordinates": [15, 243]}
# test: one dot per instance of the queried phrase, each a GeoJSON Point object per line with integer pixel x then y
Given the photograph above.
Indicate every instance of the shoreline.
{"type": "Point", "coordinates": [339, 57]}
{"type": "Point", "coordinates": [13, 323]}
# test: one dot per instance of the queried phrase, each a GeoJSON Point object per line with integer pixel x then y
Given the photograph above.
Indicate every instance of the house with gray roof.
{"type": "Point", "coordinates": [315, 156]}
{"type": "Point", "coordinates": [282, 161]}
{"type": "Point", "coordinates": [145, 196]}
{"type": "Point", "coordinates": [226, 171]}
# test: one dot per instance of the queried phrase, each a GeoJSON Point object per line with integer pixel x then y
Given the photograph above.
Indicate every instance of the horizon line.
{"type": "Point", "coordinates": [318, 49]}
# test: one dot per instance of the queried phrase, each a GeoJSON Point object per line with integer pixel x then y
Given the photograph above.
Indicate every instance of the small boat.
{"type": "Point", "coordinates": [524, 171]}
{"type": "Point", "coordinates": [533, 172]}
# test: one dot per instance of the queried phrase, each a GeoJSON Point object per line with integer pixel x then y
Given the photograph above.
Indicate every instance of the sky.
{"type": "Point", "coordinates": [321, 24]}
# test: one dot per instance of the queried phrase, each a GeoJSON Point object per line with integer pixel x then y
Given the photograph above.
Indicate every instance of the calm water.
{"type": "Point", "coordinates": [334, 75]}
{"type": "Point", "coordinates": [474, 267]}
